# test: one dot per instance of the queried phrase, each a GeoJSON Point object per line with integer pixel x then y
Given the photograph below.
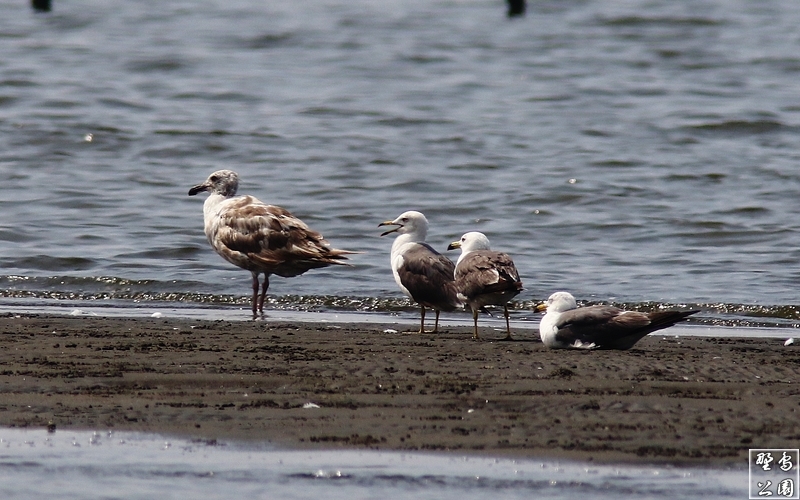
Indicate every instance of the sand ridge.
{"type": "Point", "coordinates": [684, 400]}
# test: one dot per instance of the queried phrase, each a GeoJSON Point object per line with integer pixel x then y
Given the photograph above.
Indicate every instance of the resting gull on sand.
{"type": "Point", "coordinates": [566, 326]}
{"type": "Point", "coordinates": [484, 277]}
{"type": "Point", "coordinates": [421, 272]}
{"type": "Point", "coordinates": [264, 239]}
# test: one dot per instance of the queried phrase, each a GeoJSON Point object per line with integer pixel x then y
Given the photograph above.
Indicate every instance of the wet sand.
{"type": "Point", "coordinates": [685, 400]}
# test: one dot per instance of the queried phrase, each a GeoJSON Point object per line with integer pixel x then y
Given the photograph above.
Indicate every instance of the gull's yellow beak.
{"type": "Point", "coordinates": [454, 245]}
{"type": "Point", "coordinates": [541, 307]}
{"type": "Point", "coordinates": [390, 223]}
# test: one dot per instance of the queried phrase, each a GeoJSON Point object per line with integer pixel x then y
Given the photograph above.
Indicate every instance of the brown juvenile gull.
{"type": "Point", "coordinates": [421, 272]}
{"type": "Point", "coordinates": [566, 326]}
{"type": "Point", "coordinates": [484, 277]}
{"type": "Point", "coordinates": [264, 239]}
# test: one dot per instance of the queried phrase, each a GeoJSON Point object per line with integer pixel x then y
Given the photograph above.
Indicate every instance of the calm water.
{"type": "Point", "coordinates": [81, 465]}
{"type": "Point", "coordinates": [642, 152]}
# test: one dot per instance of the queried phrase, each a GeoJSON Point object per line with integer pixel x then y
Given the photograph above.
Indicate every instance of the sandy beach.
{"type": "Point", "coordinates": [683, 400]}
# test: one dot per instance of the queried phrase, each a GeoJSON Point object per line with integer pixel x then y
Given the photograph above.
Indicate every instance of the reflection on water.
{"type": "Point", "coordinates": [83, 464]}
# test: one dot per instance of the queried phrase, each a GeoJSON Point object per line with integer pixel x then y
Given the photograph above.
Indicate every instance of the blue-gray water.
{"type": "Point", "coordinates": [80, 465]}
{"type": "Point", "coordinates": [641, 152]}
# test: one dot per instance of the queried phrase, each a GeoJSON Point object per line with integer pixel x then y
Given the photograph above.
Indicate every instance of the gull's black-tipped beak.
{"type": "Point", "coordinates": [390, 223]}
{"type": "Point", "coordinates": [198, 188]}
{"type": "Point", "coordinates": [454, 245]}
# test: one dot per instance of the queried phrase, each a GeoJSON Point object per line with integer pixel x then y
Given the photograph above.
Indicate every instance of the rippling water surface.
{"type": "Point", "coordinates": [640, 152]}
{"type": "Point", "coordinates": [81, 465]}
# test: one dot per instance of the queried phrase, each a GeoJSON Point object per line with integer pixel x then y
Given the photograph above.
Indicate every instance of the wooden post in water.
{"type": "Point", "coordinates": [516, 8]}
{"type": "Point", "coordinates": [41, 5]}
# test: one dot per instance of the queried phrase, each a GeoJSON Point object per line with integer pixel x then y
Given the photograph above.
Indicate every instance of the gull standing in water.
{"type": "Point", "coordinates": [484, 277]}
{"type": "Point", "coordinates": [263, 239]}
{"type": "Point", "coordinates": [567, 326]}
{"type": "Point", "coordinates": [421, 272]}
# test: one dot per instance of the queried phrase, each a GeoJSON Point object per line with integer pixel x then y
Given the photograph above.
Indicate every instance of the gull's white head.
{"type": "Point", "coordinates": [559, 302]}
{"type": "Point", "coordinates": [470, 242]}
{"type": "Point", "coordinates": [222, 182]}
{"type": "Point", "coordinates": [411, 222]}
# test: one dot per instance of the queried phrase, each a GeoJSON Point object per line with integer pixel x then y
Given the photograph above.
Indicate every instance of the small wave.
{"type": "Point", "coordinates": [219, 97]}
{"type": "Point", "coordinates": [341, 112]}
{"type": "Point", "coordinates": [50, 263]}
{"type": "Point", "coordinates": [746, 210]}
{"type": "Point", "coordinates": [739, 127]}
{"type": "Point", "coordinates": [402, 121]}
{"type": "Point", "coordinates": [7, 100]}
{"type": "Point", "coordinates": [177, 252]}
{"type": "Point", "coordinates": [660, 21]}
{"type": "Point", "coordinates": [617, 163]}
{"type": "Point", "coordinates": [19, 235]}
{"type": "Point", "coordinates": [551, 98]}
{"type": "Point", "coordinates": [474, 166]}
{"type": "Point", "coordinates": [213, 132]}
{"type": "Point", "coordinates": [786, 64]}
{"type": "Point", "coordinates": [424, 59]}
{"type": "Point", "coordinates": [266, 41]}
{"type": "Point", "coordinates": [156, 64]}
{"type": "Point", "coordinates": [60, 104]}
{"type": "Point", "coordinates": [17, 82]}
{"type": "Point", "coordinates": [124, 104]}
{"type": "Point", "coordinates": [713, 177]}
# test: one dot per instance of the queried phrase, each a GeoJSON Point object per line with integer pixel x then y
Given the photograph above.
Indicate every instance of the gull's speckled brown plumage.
{"type": "Point", "coordinates": [263, 239]}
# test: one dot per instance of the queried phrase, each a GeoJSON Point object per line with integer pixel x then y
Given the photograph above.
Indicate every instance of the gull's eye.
{"type": "Point", "coordinates": [405, 219]}
{"type": "Point", "coordinates": [214, 178]}
{"type": "Point", "coordinates": [463, 239]}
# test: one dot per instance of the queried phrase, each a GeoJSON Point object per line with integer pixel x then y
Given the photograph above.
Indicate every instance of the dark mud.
{"type": "Point", "coordinates": [681, 400]}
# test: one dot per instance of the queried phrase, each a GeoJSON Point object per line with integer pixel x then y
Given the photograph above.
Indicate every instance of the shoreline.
{"type": "Point", "coordinates": [527, 325]}
{"type": "Point", "coordinates": [677, 400]}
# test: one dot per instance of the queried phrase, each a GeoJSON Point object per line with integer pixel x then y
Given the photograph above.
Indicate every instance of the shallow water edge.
{"type": "Point", "coordinates": [83, 464]}
{"type": "Point", "coordinates": [710, 327]}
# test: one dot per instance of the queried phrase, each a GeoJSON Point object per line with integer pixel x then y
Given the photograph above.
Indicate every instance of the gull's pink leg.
{"type": "Point", "coordinates": [263, 294]}
{"type": "Point", "coordinates": [508, 328]}
{"type": "Point", "coordinates": [255, 294]}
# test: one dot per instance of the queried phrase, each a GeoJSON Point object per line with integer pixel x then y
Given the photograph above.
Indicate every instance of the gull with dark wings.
{"type": "Point", "coordinates": [484, 277]}
{"type": "Point", "coordinates": [421, 272]}
{"type": "Point", "coordinates": [263, 239]}
{"type": "Point", "coordinates": [567, 326]}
